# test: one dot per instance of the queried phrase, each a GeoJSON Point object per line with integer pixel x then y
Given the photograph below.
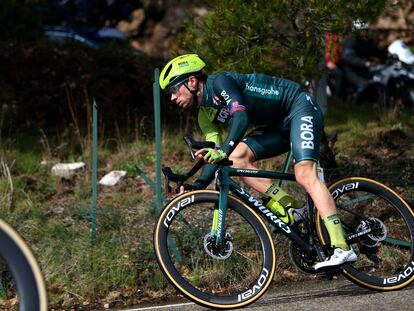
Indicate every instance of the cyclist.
{"type": "Point", "coordinates": [287, 118]}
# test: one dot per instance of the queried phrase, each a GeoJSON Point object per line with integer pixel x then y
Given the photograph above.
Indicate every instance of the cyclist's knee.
{"type": "Point", "coordinates": [242, 156]}
{"type": "Point", "coordinates": [305, 174]}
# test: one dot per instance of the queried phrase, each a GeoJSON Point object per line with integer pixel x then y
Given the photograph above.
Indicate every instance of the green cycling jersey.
{"type": "Point", "coordinates": [285, 117]}
{"type": "Point", "coordinates": [243, 99]}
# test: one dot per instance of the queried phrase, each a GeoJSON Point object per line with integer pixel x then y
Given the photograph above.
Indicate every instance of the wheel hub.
{"type": "Point", "coordinates": [220, 252]}
{"type": "Point", "coordinates": [377, 232]}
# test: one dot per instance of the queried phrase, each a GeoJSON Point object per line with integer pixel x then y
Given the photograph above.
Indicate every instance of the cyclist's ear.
{"type": "Point", "coordinates": [192, 81]}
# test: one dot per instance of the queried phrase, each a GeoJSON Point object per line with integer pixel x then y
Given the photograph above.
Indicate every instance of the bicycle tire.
{"type": "Point", "coordinates": [239, 219]}
{"type": "Point", "coordinates": [385, 255]}
{"type": "Point", "coordinates": [24, 269]}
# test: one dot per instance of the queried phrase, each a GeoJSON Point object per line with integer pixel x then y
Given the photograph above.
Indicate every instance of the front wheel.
{"type": "Point", "coordinates": [379, 225]}
{"type": "Point", "coordinates": [232, 275]}
{"type": "Point", "coordinates": [20, 275]}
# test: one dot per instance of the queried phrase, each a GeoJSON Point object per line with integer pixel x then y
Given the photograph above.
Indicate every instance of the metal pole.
{"type": "Point", "coordinates": [157, 125]}
{"type": "Point", "coordinates": [94, 168]}
{"type": "Point", "coordinates": [148, 181]}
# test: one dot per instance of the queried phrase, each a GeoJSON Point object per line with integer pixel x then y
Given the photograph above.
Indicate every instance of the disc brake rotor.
{"type": "Point", "coordinates": [377, 234]}
{"type": "Point", "coordinates": [220, 252]}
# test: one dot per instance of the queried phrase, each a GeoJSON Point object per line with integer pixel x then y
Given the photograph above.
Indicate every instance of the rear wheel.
{"type": "Point", "coordinates": [379, 225]}
{"type": "Point", "coordinates": [231, 275]}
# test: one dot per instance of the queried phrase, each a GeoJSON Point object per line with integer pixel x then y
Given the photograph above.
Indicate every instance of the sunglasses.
{"type": "Point", "coordinates": [174, 88]}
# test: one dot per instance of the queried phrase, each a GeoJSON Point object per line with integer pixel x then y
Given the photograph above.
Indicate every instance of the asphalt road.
{"type": "Point", "coordinates": [320, 295]}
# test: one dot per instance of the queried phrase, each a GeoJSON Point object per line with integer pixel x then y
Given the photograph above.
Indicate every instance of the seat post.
{"type": "Point", "coordinates": [285, 166]}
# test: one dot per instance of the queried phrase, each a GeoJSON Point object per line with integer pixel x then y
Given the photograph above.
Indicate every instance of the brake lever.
{"type": "Point", "coordinates": [167, 186]}
{"type": "Point", "coordinates": [170, 176]}
{"type": "Point", "coordinates": [188, 142]}
{"type": "Point", "coordinates": [193, 144]}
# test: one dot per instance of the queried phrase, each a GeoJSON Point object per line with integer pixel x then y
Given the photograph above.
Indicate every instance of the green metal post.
{"type": "Point", "coordinates": [157, 120]}
{"type": "Point", "coordinates": [94, 168]}
{"type": "Point", "coordinates": [158, 186]}
{"type": "Point", "coordinates": [148, 181]}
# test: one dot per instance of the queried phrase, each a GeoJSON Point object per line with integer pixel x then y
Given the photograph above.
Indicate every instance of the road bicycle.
{"type": "Point", "coordinates": [215, 248]}
{"type": "Point", "coordinates": [20, 274]}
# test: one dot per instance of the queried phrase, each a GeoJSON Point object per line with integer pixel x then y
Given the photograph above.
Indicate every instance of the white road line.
{"type": "Point", "coordinates": [162, 307]}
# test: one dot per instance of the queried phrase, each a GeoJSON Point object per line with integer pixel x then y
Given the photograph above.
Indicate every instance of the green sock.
{"type": "Point", "coordinates": [336, 233]}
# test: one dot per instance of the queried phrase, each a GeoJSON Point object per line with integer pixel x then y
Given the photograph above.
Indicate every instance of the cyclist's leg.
{"type": "Point", "coordinates": [266, 142]}
{"type": "Point", "coordinates": [306, 176]}
{"type": "Point", "coordinates": [262, 143]}
{"type": "Point", "coordinates": [305, 129]}
{"type": "Point", "coordinates": [305, 173]}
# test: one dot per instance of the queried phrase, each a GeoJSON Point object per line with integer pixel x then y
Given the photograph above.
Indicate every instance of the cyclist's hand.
{"type": "Point", "coordinates": [187, 187]}
{"type": "Point", "coordinates": [211, 155]}
{"type": "Point", "coordinates": [184, 188]}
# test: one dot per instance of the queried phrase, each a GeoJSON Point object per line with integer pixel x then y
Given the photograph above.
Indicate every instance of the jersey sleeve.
{"type": "Point", "coordinates": [226, 87]}
{"type": "Point", "coordinates": [210, 130]}
{"type": "Point", "coordinates": [211, 133]}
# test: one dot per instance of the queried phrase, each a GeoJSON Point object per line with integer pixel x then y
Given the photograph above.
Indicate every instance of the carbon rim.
{"type": "Point", "coordinates": [24, 269]}
{"type": "Point", "coordinates": [386, 264]}
{"type": "Point", "coordinates": [181, 277]}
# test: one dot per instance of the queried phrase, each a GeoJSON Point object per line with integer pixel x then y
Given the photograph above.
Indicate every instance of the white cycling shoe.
{"type": "Point", "coordinates": [339, 257]}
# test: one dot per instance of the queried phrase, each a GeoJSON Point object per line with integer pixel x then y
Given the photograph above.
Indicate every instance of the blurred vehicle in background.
{"type": "Point", "coordinates": [401, 50]}
{"type": "Point", "coordinates": [388, 84]}
{"type": "Point", "coordinates": [91, 22]}
{"type": "Point", "coordinates": [93, 38]}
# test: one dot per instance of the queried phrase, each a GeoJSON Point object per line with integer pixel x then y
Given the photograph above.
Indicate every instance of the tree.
{"type": "Point", "coordinates": [283, 37]}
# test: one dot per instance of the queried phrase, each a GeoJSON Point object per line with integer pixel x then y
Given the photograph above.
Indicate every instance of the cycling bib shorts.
{"type": "Point", "coordinates": [300, 131]}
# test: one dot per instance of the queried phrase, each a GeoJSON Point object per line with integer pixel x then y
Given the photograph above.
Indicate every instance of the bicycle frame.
{"type": "Point", "coordinates": [226, 185]}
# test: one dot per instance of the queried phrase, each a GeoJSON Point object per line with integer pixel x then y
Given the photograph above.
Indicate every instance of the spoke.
{"type": "Point", "coordinates": [246, 257]}
{"type": "Point", "coordinates": [356, 200]}
{"type": "Point", "coordinates": [398, 242]}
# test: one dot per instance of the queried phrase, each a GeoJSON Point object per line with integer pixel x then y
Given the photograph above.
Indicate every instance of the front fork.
{"type": "Point", "coordinates": [219, 214]}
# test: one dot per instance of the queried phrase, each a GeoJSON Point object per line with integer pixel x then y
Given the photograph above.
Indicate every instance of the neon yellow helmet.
{"type": "Point", "coordinates": [179, 69]}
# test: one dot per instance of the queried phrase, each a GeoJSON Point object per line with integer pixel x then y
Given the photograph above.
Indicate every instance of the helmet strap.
{"type": "Point", "coordinates": [194, 92]}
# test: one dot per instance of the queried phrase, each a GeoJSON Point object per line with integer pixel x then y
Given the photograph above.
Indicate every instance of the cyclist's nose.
{"type": "Point", "coordinates": [173, 97]}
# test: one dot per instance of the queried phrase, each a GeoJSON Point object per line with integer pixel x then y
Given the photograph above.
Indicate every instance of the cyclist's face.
{"type": "Point", "coordinates": [181, 95]}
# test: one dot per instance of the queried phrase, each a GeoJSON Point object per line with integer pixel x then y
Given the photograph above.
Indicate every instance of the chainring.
{"type": "Point", "coordinates": [303, 261]}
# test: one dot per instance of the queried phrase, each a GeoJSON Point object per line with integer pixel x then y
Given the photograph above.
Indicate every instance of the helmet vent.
{"type": "Point", "coordinates": [167, 71]}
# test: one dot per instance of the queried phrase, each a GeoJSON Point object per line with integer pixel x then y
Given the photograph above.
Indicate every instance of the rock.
{"type": "Point", "coordinates": [131, 28]}
{"type": "Point", "coordinates": [67, 170]}
{"type": "Point", "coordinates": [112, 178]}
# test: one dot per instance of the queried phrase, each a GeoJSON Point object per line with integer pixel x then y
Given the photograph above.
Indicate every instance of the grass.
{"type": "Point", "coordinates": [54, 215]}
{"type": "Point", "coordinates": [356, 123]}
